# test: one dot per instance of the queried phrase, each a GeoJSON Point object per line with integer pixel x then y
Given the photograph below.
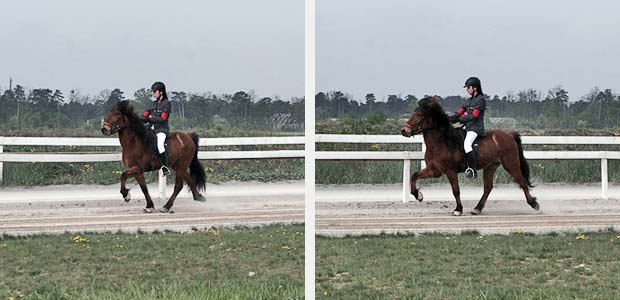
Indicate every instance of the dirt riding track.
{"type": "Point", "coordinates": [373, 209]}
{"type": "Point", "coordinates": [58, 209]}
{"type": "Point", "coordinates": [340, 210]}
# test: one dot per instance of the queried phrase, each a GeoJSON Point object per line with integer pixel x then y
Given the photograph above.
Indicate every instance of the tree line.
{"type": "Point", "coordinates": [47, 108]}
{"type": "Point", "coordinates": [529, 108]}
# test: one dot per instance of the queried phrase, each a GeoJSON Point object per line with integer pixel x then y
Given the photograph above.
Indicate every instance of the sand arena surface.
{"type": "Point", "coordinates": [374, 209]}
{"type": "Point", "coordinates": [340, 209]}
{"type": "Point", "coordinates": [57, 209]}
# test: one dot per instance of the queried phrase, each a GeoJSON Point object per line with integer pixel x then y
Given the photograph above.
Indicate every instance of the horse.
{"type": "Point", "coordinates": [444, 154]}
{"type": "Point", "coordinates": [139, 154]}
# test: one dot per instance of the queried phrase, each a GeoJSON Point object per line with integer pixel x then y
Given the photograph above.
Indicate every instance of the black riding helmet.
{"type": "Point", "coordinates": [158, 86]}
{"type": "Point", "coordinates": [475, 82]}
{"type": "Point", "coordinates": [161, 87]}
{"type": "Point", "coordinates": [472, 81]}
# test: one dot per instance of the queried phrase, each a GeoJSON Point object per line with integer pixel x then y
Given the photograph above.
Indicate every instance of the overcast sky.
{"type": "Point", "coordinates": [193, 46]}
{"type": "Point", "coordinates": [431, 47]}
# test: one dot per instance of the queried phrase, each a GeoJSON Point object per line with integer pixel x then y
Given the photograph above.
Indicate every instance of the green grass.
{"type": "Point", "coordinates": [327, 172]}
{"type": "Point", "coordinates": [386, 172]}
{"type": "Point", "coordinates": [32, 174]}
{"type": "Point", "coordinates": [240, 263]}
{"type": "Point", "coordinates": [469, 266]}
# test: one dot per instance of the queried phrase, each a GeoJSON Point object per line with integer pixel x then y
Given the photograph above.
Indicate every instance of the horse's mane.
{"type": "Point", "coordinates": [430, 108]}
{"type": "Point", "coordinates": [142, 132]}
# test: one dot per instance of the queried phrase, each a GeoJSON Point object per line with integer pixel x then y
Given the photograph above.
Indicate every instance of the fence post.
{"type": "Point", "coordinates": [406, 185]}
{"type": "Point", "coordinates": [604, 178]}
{"type": "Point", "coordinates": [162, 185]}
{"type": "Point", "coordinates": [422, 162]}
{"type": "Point", "coordinates": [1, 163]}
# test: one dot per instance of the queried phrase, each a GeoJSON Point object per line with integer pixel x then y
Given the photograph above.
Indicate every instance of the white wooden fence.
{"type": "Point", "coordinates": [408, 156]}
{"type": "Point", "coordinates": [116, 156]}
{"type": "Point", "coordinates": [405, 156]}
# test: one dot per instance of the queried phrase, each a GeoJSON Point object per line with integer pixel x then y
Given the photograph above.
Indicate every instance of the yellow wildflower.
{"type": "Point", "coordinates": [79, 239]}
{"type": "Point", "coordinates": [582, 237]}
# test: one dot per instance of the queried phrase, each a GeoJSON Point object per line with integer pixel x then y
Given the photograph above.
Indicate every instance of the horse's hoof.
{"type": "Point", "coordinates": [127, 198]}
{"type": "Point", "coordinates": [535, 206]}
{"type": "Point", "coordinates": [164, 210]}
{"type": "Point", "coordinates": [201, 199]}
{"type": "Point", "coordinates": [457, 213]}
{"type": "Point", "coordinates": [476, 211]}
{"type": "Point", "coordinates": [148, 210]}
{"type": "Point", "coordinates": [420, 196]}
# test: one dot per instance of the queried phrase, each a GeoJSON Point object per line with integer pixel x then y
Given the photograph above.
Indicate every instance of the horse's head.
{"type": "Point", "coordinates": [116, 119]}
{"type": "Point", "coordinates": [421, 118]}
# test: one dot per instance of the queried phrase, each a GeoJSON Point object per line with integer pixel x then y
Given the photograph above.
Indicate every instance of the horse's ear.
{"type": "Point", "coordinates": [124, 106]}
{"type": "Point", "coordinates": [425, 101]}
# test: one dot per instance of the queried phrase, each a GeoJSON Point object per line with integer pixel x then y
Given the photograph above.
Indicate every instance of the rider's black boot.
{"type": "Point", "coordinates": [471, 165]}
{"type": "Point", "coordinates": [164, 163]}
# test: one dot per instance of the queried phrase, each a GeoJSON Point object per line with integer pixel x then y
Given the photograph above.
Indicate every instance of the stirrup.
{"type": "Point", "coordinates": [165, 171]}
{"type": "Point", "coordinates": [470, 173]}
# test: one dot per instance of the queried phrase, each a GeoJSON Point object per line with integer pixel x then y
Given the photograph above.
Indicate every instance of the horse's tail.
{"type": "Point", "coordinates": [196, 170]}
{"type": "Point", "coordinates": [525, 167]}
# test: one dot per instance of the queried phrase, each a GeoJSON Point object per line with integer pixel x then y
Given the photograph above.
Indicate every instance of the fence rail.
{"type": "Point", "coordinates": [408, 156]}
{"type": "Point", "coordinates": [116, 156]}
{"type": "Point", "coordinates": [405, 156]}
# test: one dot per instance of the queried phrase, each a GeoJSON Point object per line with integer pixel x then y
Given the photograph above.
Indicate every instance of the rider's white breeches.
{"type": "Point", "coordinates": [161, 138]}
{"type": "Point", "coordinates": [469, 141]}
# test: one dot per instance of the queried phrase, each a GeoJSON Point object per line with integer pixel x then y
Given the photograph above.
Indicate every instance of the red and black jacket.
{"type": "Point", "coordinates": [471, 114]}
{"type": "Point", "coordinates": [158, 115]}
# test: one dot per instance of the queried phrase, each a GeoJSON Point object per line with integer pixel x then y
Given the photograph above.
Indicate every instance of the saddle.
{"type": "Point", "coordinates": [153, 147]}
{"type": "Point", "coordinates": [476, 143]}
{"type": "Point", "coordinates": [475, 150]}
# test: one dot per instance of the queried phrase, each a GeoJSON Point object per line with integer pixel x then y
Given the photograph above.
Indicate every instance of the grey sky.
{"type": "Point", "coordinates": [196, 46]}
{"type": "Point", "coordinates": [431, 47]}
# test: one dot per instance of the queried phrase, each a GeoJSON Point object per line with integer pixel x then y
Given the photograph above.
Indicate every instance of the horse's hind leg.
{"type": "Point", "coordinates": [514, 170]}
{"type": "Point", "coordinates": [488, 186]}
{"type": "Point", "coordinates": [178, 185]}
{"type": "Point", "coordinates": [149, 201]}
{"type": "Point", "coordinates": [192, 186]}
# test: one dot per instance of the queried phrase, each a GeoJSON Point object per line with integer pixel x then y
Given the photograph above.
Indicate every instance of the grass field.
{"type": "Point", "coordinates": [470, 266]}
{"type": "Point", "coordinates": [240, 263]}
{"type": "Point", "coordinates": [385, 172]}
{"type": "Point", "coordinates": [33, 174]}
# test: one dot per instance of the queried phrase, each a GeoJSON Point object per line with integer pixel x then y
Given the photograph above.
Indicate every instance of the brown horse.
{"type": "Point", "coordinates": [140, 155]}
{"type": "Point", "coordinates": [444, 154]}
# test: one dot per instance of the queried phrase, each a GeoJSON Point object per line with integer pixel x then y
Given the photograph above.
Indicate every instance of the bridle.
{"type": "Point", "coordinates": [113, 129]}
{"type": "Point", "coordinates": [413, 132]}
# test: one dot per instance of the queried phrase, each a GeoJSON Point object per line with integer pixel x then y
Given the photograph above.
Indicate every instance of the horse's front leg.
{"type": "Point", "coordinates": [456, 191]}
{"type": "Point", "coordinates": [428, 172]}
{"type": "Point", "coordinates": [126, 175]}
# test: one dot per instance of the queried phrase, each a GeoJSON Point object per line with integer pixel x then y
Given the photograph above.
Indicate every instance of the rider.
{"type": "Point", "coordinates": [158, 115]}
{"type": "Point", "coordinates": [471, 115]}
